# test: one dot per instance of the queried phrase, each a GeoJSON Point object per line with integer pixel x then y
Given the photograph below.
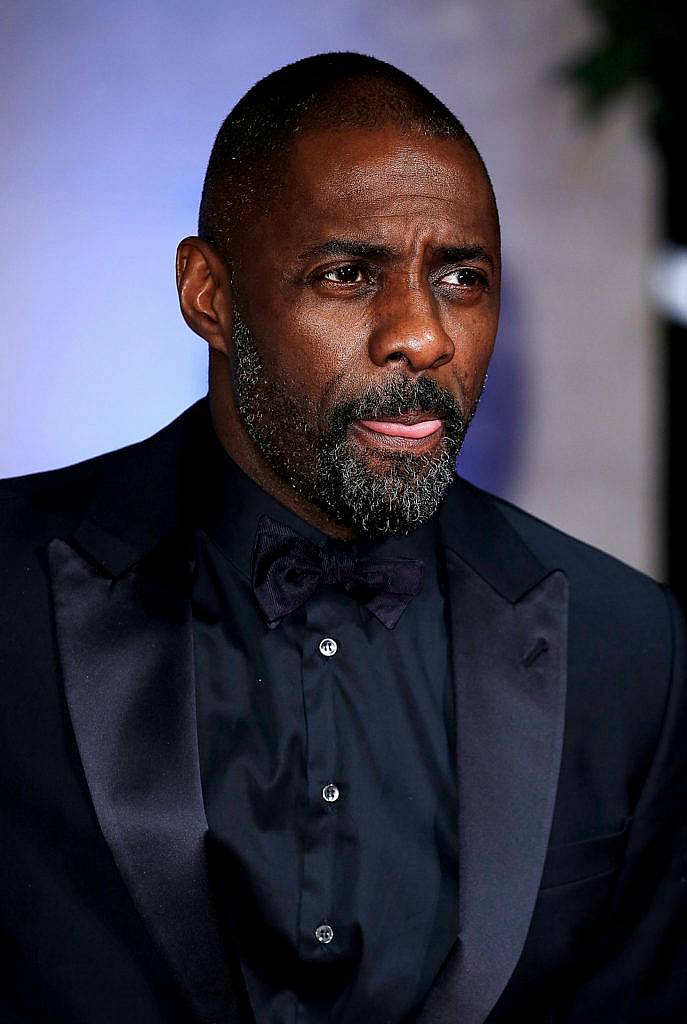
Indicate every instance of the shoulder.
{"type": "Point", "coordinates": [625, 634]}
{"type": "Point", "coordinates": [53, 502]}
{"type": "Point", "coordinates": [612, 606]}
{"type": "Point", "coordinates": [584, 564]}
{"type": "Point", "coordinates": [49, 499]}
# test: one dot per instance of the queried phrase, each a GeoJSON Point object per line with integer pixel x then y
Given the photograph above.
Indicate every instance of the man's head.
{"type": "Point", "coordinates": [346, 278]}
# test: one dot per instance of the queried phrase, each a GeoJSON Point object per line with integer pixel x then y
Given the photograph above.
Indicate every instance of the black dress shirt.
{"type": "Point", "coordinates": [327, 762]}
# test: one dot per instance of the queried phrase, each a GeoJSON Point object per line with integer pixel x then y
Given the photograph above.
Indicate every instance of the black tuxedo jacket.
{"type": "Point", "coordinates": [571, 746]}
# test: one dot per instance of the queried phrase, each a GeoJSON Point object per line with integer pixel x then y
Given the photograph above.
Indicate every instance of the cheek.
{"type": "Point", "coordinates": [305, 367]}
{"type": "Point", "coordinates": [313, 349]}
{"type": "Point", "coordinates": [474, 344]}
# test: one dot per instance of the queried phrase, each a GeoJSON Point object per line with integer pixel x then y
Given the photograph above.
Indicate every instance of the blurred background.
{"type": "Point", "coordinates": [109, 112]}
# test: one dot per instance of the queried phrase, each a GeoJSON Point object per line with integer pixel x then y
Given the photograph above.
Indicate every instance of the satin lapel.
{"type": "Point", "coordinates": [510, 674]}
{"type": "Point", "coordinates": [126, 652]}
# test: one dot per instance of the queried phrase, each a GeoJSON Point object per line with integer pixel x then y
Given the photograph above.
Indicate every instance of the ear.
{"type": "Point", "coordinates": [204, 292]}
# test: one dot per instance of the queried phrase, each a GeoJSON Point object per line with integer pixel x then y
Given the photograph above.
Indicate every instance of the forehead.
{"type": "Point", "coordinates": [380, 181]}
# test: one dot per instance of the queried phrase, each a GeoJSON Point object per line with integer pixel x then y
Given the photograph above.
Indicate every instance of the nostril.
{"type": "Point", "coordinates": [395, 357]}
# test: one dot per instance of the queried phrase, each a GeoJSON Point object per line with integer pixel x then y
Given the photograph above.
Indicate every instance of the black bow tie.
{"type": "Point", "coordinates": [287, 569]}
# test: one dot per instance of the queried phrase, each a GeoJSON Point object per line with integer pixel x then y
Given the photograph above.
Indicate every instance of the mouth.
{"type": "Point", "coordinates": [413, 432]}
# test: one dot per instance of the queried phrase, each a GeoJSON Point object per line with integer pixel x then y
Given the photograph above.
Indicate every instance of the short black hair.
{"type": "Point", "coordinates": [308, 94]}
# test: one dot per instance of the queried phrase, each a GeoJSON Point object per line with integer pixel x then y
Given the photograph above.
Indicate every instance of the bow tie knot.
{"type": "Point", "coordinates": [287, 570]}
{"type": "Point", "coordinates": [338, 564]}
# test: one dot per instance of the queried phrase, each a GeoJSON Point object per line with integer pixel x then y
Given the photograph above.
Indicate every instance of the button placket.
{"type": "Point", "coordinates": [320, 674]}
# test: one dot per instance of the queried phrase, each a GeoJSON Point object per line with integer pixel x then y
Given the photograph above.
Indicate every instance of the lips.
{"type": "Point", "coordinates": [412, 426]}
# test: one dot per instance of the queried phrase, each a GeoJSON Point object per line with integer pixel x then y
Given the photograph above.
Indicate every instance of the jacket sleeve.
{"type": "Point", "coordinates": [641, 973]}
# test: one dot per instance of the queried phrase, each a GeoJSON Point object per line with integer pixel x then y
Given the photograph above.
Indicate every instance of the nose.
{"type": "Point", "coordinates": [408, 329]}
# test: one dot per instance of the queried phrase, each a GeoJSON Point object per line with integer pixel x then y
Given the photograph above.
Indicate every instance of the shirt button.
{"type": "Point", "coordinates": [324, 933]}
{"type": "Point", "coordinates": [328, 647]}
{"type": "Point", "coordinates": [330, 793]}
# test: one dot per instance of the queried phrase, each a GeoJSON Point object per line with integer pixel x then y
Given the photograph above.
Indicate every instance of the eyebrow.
{"type": "Point", "coordinates": [348, 247]}
{"type": "Point", "coordinates": [372, 251]}
{"type": "Point", "coordinates": [458, 253]}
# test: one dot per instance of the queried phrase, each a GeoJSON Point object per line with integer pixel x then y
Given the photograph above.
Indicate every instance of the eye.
{"type": "Point", "coordinates": [464, 277]}
{"type": "Point", "coordinates": [348, 274]}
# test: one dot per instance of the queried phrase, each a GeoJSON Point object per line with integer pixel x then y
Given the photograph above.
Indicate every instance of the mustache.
{"type": "Point", "coordinates": [397, 396]}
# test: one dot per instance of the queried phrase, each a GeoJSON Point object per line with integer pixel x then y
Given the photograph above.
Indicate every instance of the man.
{"type": "Point", "coordinates": [299, 725]}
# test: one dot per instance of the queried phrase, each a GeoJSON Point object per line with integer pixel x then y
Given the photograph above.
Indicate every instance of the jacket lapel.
{"type": "Point", "coordinates": [509, 617]}
{"type": "Point", "coordinates": [123, 626]}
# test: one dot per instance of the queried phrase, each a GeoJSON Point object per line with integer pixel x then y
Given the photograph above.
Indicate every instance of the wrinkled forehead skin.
{"type": "Point", "coordinates": [382, 185]}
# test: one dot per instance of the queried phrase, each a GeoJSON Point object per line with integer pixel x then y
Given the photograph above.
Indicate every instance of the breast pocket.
{"type": "Point", "coordinates": [572, 906]}
{"type": "Point", "coordinates": [588, 859]}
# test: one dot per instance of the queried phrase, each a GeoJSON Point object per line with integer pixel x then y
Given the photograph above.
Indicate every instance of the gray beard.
{"type": "Point", "coordinates": [392, 495]}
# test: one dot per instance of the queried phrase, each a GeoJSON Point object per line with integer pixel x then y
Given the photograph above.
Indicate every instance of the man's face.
{"type": "Point", "coordinates": [366, 307]}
